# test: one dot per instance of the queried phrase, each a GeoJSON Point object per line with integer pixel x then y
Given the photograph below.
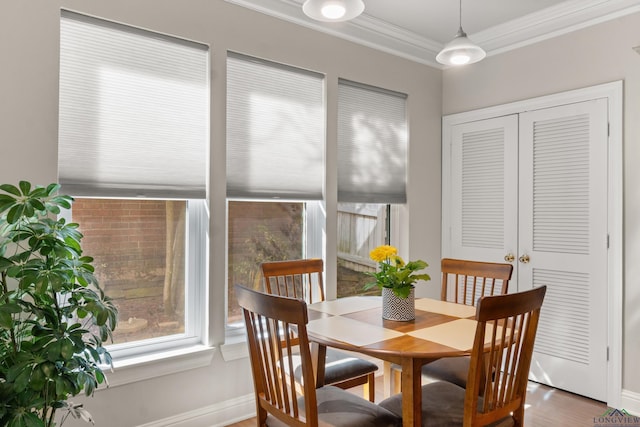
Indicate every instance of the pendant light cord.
{"type": "Point", "coordinates": [460, 32]}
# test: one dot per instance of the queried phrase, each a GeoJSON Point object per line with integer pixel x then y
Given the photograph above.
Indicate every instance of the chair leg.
{"type": "Point", "coordinates": [397, 380]}
{"type": "Point", "coordinates": [370, 387]}
{"type": "Point", "coordinates": [261, 417]}
{"type": "Point", "coordinates": [387, 380]}
{"type": "Point", "coordinates": [392, 379]}
{"type": "Point", "coordinates": [518, 416]}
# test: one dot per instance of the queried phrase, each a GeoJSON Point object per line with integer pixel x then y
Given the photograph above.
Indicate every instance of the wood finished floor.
{"type": "Point", "coordinates": [545, 407]}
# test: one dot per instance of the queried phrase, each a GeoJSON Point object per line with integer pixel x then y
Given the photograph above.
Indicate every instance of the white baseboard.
{"type": "Point", "coordinates": [630, 401]}
{"type": "Point", "coordinates": [216, 415]}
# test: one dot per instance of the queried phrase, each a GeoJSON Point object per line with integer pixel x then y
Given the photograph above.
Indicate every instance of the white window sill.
{"type": "Point", "coordinates": [234, 348]}
{"type": "Point", "coordinates": [139, 368]}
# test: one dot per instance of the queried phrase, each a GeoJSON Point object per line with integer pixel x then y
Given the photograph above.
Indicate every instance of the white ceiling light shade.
{"type": "Point", "coordinates": [460, 50]}
{"type": "Point", "coordinates": [332, 10]}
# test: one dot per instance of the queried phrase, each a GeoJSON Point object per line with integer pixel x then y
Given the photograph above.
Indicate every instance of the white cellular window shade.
{"type": "Point", "coordinates": [275, 131]}
{"type": "Point", "coordinates": [134, 111]}
{"type": "Point", "coordinates": [372, 144]}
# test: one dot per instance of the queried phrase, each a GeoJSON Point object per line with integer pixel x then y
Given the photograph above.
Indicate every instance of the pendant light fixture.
{"type": "Point", "coordinates": [460, 50]}
{"type": "Point", "coordinates": [332, 10]}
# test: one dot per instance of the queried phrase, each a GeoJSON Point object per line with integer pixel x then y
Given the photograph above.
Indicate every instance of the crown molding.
{"type": "Point", "coordinates": [551, 22]}
{"type": "Point", "coordinates": [366, 30]}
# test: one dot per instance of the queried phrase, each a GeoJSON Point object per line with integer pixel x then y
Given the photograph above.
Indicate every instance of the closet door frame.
{"type": "Point", "coordinates": [613, 92]}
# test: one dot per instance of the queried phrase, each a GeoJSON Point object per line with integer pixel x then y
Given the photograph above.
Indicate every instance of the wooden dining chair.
{"type": "Point", "coordinates": [498, 372]}
{"type": "Point", "coordinates": [302, 279]}
{"type": "Point", "coordinates": [463, 282]}
{"type": "Point", "coordinates": [269, 320]}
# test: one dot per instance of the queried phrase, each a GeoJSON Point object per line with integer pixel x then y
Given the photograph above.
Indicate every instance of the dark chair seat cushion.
{"type": "Point", "coordinates": [451, 369]}
{"type": "Point", "coordinates": [442, 406]}
{"type": "Point", "coordinates": [341, 366]}
{"type": "Point", "coordinates": [340, 408]}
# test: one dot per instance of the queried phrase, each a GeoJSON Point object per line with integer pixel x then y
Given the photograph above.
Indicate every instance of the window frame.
{"type": "Point", "coordinates": [313, 237]}
{"type": "Point", "coordinates": [177, 177]}
{"type": "Point", "coordinates": [132, 362]}
{"type": "Point", "coordinates": [196, 285]}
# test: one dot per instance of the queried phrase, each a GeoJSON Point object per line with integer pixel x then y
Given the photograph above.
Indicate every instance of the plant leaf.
{"type": "Point", "coordinates": [25, 187]}
{"type": "Point", "coordinates": [11, 189]}
{"type": "Point", "coordinates": [15, 213]}
{"type": "Point", "coordinates": [6, 201]}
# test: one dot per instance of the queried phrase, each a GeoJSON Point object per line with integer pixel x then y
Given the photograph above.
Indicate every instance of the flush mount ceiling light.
{"type": "Point", "coordinates": [460, 50]}
{"type": "Point", "coordinates": [332, 10]}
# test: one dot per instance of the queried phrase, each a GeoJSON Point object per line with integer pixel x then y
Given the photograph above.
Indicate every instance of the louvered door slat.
{"type": "Point", "coordinates": [483, 188]}
{"type": "Point", "coordinates": [561, 331]}
{"type": "Point", "coordinates": [561, 184]}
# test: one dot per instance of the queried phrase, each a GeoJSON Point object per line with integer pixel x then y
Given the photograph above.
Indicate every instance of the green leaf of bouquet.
{"type": "Point", "coordinates": [368, 286]}
{"type": "Point", "coordinates": [402, 292]}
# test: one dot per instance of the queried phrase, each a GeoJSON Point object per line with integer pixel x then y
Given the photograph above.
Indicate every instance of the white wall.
{"type": "Point", "coordinates": [599, 54]}
{"type": "Point", "coordinates": [29, 48]}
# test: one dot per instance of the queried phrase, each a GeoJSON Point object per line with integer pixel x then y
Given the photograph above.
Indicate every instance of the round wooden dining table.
{"type": "Point", "coordinates": [440, 329]}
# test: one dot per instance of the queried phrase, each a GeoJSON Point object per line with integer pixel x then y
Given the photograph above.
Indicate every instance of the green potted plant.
{"type": "Point", "coordinates": [396, 279]}
{"type": "Point", "coordinates": [54, 317]}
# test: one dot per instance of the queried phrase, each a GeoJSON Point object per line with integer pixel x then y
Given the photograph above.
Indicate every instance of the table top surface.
{"type": "Point", "coordinates": [440, 329]}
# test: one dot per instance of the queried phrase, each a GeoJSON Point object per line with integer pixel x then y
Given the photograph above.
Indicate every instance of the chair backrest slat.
{"type": "Point", "coordinates": [501, 356]}
{"type": "Point", "coordinates": [301, 278]}
{"type": "Point", "coordinates": [471, 280]}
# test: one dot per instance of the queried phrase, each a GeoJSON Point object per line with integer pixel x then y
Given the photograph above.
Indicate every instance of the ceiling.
{"type": "Point", "coordinates": [418, 29]}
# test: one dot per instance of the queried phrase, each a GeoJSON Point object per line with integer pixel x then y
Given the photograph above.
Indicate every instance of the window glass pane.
{"type": "Point", "coordinates": [361, 228]}
{"type": "Point", "coordinates": [139, 252]}
{"type": "Point", "coordinates": [259, 232]}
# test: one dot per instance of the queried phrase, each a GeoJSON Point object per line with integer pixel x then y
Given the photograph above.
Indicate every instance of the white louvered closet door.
{"type": "Point", "coordinates": [484, 180]}
{"type": "Point", "coordinates": [563, 232]}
